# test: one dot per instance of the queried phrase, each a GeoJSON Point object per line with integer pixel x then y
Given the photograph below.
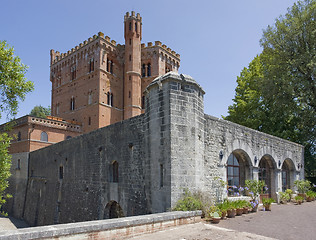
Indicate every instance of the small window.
{"type": "Point", "coordinates": [130, 26]}
{"type": "Point", "coordinates": [149, 70]}
{"type": "Point", "coordinates": [136, 27]}
{"type": "Point", "coordinates": [72, 104]}
{"type": "Point", "coordinates": [73, 72]}
{"type": "Point", "coordinates": [115, 171]}
{"type": "Point", "coordinates": [161, 175]}
{"type": "Point", "coordinates": [143, 102]}
{"type": "Point", "coordinates": [61, 172]}
{"type": "Point", "coordinates": [110, 98]}
{"type": "Point", "coordinates": [89, 121]}
{"type": "Point", "coordinates": [91, 65]}
{"type": "Point", "coordinates": [144, 70]}
{"type": "Point", "coordinates": [44, 137]}
{"type": "Point", "coordinates": [130, 57]}
{"type": "Point", "coordinates": [19, 136]}
{"type": "Point", "coordinates": [90, 98]}
{"type": "Point", "coordinates": [130, 41]}
{"type": "Point", "coordinates": [68, 137]}
{"type": "Point", "coordinates": [129, 94]}
{"type": "Point", "coordinates": [57, 108]}
{"type": "Point", "coordinates": [19, 164]}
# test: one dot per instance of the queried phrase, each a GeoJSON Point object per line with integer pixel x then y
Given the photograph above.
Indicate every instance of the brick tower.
{"type": "Point", "coordinates": [132, 71]}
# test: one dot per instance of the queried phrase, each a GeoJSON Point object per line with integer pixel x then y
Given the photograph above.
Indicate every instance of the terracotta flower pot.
{"type": "Point", "coordinates": [239, 211]}
{"type": "Point", "coordinates": [267, 207]}
{"type": "Point", "coordinates": [224, 214]}
{"type": "Point", "coordinates": [231, 213]}
{"type": "Point", "coordinates": [245, 210]}
{"type": "Point", "coordinates": [216, 219]}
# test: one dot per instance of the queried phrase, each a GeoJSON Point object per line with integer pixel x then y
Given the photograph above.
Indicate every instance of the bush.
{"type": "Point", "coordinates": [302, 185]}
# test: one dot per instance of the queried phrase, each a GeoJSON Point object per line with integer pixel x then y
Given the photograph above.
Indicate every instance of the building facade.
{"type": "Point", "coordinates": [135, 138]}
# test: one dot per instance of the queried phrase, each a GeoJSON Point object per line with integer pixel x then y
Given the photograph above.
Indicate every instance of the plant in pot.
{"type": "Point", "coordinates": [254, 205]}
{"type": "Point", "coordinates": [231, 210]}
{"type": "Point", "coordinates": [267, 203]}
{"type": "Point", "coordinates": [223, 208]}
{"type": "Point", "coordinates": [302, 187]}
{"type": "Point", "coordinates": [299, 199]}
{"type": "Point", "coordinates": [255, 188]}
{"type": "Point", "coordinates": [289, 192]}
{"type": "Point", "coordinates": [213, 214]}
{"type": "Point", "coordinates": [310, 195]}
{"type": "Point", "coordinates": [246, 207]}
{"type": "Point", "coordinates": [284, 197]}
{"type": "Point", "coordinates": [239, 205]}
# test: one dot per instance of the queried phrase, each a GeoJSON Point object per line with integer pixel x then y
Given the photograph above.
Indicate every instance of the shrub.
{"type": "Point", "coordinates": [302, 185]}
{"type": "Point", "coordinates": [284, 197]}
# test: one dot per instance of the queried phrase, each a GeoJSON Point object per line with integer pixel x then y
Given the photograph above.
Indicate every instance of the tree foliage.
{"type": "Point", "coordinates": [40, 111]}
{"type": "Point", "coordinates": [13, 84]}
{"type": "Point", "coordinates": [13, 88]}
{"type": "Point", "coordinates": [276, 94]}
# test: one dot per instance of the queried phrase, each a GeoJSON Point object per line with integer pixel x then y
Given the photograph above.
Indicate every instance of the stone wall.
{"type": "Point", "coordinates": [82, 190]}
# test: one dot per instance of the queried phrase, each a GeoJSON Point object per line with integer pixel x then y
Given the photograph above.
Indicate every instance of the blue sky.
{"type": "Point", "coordinates": [216, 39]}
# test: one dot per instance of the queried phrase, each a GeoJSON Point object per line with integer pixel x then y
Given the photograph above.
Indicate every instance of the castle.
{"type": "Point", "coordinates": [130, 135]}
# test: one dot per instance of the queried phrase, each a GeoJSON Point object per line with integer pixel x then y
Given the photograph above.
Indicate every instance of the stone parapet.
{"type": "Point", "coordinates": [120, 228]}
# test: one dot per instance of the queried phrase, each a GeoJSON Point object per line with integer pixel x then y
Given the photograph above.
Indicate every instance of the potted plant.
{"type": "Point", "coordinates": [213, 214]}
{"type": "Point", "coordinates": [267, 203]}
{"type": "Point", "coordinates": [284, 197]}
{"type": "Point", "coordinates": [289, 192]}
{"type": "Point", "coordinates": [246, 207]}
{"type": "Point", "coordinates": [299, 199]}
{"type": "Point", "coordinates": [231, 211]}
{"type": "Point", "coordinates": [302, 187]}
{"type": "Point", "coordinates": [223, 208]}
{"type": "Point", "coordinates": [310, 195]}
{"type": "Point", "coordinates": [254, 205]}
{"type": "Point", "coordinates": [239, 206]}
{"type": "Point", "coordinates": [256, 188]}
{"type": "Point", "coordinates": [215, 217]}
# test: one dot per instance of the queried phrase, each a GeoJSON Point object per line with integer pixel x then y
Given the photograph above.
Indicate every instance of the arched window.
{"type": "Point", "coordinates": [72, 104]}
{"type": "Point", "coordinates": [149, 70]}
{"type": "Point", "coordinates": [19, 136]}
{"type": "Point", "coordinates": [232, 171]}
{"type": "Point", "coordinates": [110, 98]}
{"type": "Point", "coordinates": [44, 137]}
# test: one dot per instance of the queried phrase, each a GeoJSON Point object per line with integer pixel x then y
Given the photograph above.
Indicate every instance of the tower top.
{"type": "Point", "coordinates": [132, 15]}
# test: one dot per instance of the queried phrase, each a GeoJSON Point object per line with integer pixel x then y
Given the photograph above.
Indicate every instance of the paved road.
{"type": "Point", "coordinates": [283, 222]}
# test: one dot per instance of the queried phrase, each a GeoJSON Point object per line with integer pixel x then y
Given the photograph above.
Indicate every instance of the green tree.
{"type": "Point", "coordinates": [276, 94]}
{"type": "Point", "coordinates": [40, 111]}
{"type": "Point", "coordinates": [13, 88]}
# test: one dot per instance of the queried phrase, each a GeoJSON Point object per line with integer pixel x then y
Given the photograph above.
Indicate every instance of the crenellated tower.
{"type": "Point", "coordinates": [132, 75]}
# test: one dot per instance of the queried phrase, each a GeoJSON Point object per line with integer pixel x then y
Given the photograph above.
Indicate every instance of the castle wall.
{"type": "Point", "coordinates": [85, 187]}
{"type": "Point", "coordinates": [18, 184]}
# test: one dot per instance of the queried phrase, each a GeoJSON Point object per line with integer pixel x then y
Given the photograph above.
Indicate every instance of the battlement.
{"type": "Point", "coordinates": [56, 56]}
{"type": "Point", "coordinates": [127, 16]}
{"type": "Point", "coordinates": [162, 46]}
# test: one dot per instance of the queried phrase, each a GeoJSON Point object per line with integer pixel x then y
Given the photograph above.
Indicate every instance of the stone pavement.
{"type": "Point", "coordinates": [283, 222]}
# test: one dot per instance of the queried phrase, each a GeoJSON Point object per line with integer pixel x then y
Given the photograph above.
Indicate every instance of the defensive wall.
{"type": "Point", "coordinates": [142, 165]}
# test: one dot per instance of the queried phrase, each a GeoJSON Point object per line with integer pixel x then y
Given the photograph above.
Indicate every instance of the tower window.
{"type": "Point", "coordinates": [130, 41]}
{"type": "Point", "coordinates": [89, 121]}
{"type": "Point", "coordinates": [44, 137]}
{"type": "Point", "coordinates": [19, 136]}
{"type": "Point", "coordinates": [91, 65]}
{"type": "Point", "coordinates": [130, 26]}
{"type": "Point", "coordinates": [110, 98]}
{"type": "Point", "coordinates": [149, 70]}
{"type": "Point", "coordinates": [72, 103]}
{"type": "Point", "coordinates": [90, 98]}
{"type": "Point", "coordinates": [144, 70]}
{"type": "Point", "coordinates": [57, 108]}
{"type": "Point", "coordinates": [19, 164]}
{"type": "Point", "coordinates": [143, 102]}
{"type": "Point", "coordinates": [136, 27]}
{"type": "Point", "coordinates": [73, 72]}
{"type": "Point", "coordinates": [129, 94]}
{"type": "Point", "coordinates": [130, 57]}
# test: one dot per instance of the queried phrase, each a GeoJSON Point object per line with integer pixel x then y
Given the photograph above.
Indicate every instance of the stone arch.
{"type": "Point", "coordinates": [267, 172]}
{"type": "Point", "coordinates": [288, 174]}
{"type": "Point", "coordinates": [239, 166]}
{"type": "Point", "coordinates": [113, 210]}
